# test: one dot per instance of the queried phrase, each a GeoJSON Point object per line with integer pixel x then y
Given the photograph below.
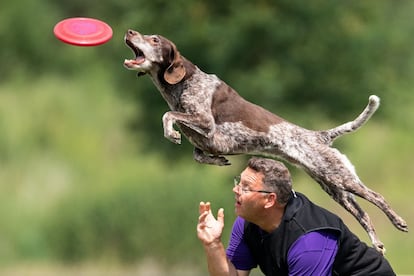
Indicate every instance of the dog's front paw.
{"type": "Point", "coordinates": [222, 161]}
{"type": "Point", "coordinates": [210, 159]}
{"type": "Point", "coordinates": [173, 136]}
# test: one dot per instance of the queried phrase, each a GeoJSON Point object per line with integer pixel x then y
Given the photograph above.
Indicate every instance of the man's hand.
{"type": "Point", "coordinates": [209, 229]}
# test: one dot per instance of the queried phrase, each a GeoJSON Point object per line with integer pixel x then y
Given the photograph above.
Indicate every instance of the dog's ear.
{"type": "Point", "coordinates": [176, 70]}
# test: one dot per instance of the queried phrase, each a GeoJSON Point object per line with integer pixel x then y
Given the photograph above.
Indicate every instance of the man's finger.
{"type": "Point", "coordinates": [201, 207]}
{"type": "Point", "coordinates": [208, 206]}
{"type": "Point", "coordinates": [220, 215]}
{"type": "Point", "coordinates": [202, 217]}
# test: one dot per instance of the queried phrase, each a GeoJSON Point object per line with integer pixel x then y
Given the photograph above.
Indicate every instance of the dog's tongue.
{"type": "Point", "coordinates": [139, 60]}
{"type": "Point", "coordinates": [136, 61]}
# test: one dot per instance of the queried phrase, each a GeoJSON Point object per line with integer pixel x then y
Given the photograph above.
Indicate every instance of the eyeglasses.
{"type": "Point", "coordinates": [241, 190]}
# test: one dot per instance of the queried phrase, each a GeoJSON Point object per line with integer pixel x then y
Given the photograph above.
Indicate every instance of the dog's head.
{"type": "Point", "coordinates": [154, 54]}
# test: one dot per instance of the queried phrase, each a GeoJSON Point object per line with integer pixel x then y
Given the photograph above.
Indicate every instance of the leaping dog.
{"type": "Point", "coordinates": [218, 122]}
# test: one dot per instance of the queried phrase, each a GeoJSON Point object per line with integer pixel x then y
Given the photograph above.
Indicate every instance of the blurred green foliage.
{"type": "Point", "coordinates": [85, 173]}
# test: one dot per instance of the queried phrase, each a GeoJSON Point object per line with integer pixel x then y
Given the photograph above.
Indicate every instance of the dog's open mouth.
{"type": "Point", "coordinates": [139, 55]}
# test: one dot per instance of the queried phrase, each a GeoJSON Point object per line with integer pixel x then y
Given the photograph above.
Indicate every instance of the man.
{"type": "Point", "coordinates": [282, 232]}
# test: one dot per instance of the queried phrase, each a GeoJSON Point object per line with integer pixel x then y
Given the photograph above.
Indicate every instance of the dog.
{"type": "Point", "coordinates": [219, 122]}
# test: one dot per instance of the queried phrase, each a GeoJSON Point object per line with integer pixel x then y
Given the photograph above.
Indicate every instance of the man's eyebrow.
{"type": "Point", "coordinates": [246, 182]}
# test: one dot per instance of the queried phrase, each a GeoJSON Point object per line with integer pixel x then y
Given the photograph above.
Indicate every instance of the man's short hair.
{"type": "Point", "coordinates": [276, 177]}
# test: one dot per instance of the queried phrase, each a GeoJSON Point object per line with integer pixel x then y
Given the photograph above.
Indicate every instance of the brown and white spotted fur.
{"type": "Point", "coordinates": [217, 121]}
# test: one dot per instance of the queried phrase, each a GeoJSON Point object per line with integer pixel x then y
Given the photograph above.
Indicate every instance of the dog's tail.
{"type": "Point", "coordinates": [333, 133]}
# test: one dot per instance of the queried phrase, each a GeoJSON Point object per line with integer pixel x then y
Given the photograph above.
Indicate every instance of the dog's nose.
{"type": "Point", "coordinates": [131, 32]}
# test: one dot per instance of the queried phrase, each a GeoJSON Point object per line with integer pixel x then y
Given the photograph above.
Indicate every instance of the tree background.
{"type": "Point", "coordinates": [86, 175]}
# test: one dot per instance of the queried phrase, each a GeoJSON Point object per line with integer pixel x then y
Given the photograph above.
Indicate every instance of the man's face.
{"type": "Point", "coordinates": [250, 195]}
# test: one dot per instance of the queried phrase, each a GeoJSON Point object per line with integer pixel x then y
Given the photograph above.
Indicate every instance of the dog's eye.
{"type": "Point", "coordinates": [155, 39]}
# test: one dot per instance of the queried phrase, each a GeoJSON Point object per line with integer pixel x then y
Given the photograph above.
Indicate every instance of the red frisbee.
{"type": "Point", "coordinates": [83, 31]}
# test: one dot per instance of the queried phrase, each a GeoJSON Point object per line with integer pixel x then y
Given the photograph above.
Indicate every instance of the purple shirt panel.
{"type": "Point", "coordinates": [311, 254]}
{"type": "Point", "coordinates": [237, 250]}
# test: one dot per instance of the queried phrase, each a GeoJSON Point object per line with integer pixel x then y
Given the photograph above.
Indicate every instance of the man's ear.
{"type": "Point", "coordinates": [176, 71]}
{"type": "Point", "coordinates": [271, 200]}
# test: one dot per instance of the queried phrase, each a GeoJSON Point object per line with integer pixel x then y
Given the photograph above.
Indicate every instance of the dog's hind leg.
{"type": "Point", "coordinates": [352, 126]}
{"type": "Point", "coordinates": [378, 200]}
{"type": "Point", "coordinates": [347, 200]}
